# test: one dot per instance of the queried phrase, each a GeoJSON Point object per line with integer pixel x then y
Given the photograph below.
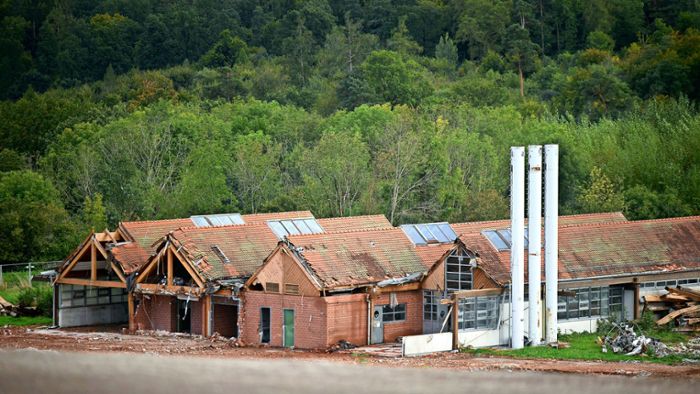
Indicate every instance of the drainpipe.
{"type": "Point", "coordinates": [534, 236]}
{"type": "Point", "coordinates": [551, 239]}
{"type": "Point", "coordinates": [517, 227]}
{"type": "Point", "coordinates": [369, 318]}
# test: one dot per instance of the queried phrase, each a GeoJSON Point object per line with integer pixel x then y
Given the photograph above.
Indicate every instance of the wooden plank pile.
{"type": "Point", "coordinates": [680, 305]}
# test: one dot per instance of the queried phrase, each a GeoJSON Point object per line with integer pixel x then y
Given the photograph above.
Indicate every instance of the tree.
{"type": "Point", "coordinates": [394, 80]}
{"type": "Point", "coordinates": [482, 25]}
{"type": "Point", "coordinates": [226, 52]}
{"type": "Point", "coordinates": [15, 60]}
{"type": "Point", "coordinates": [599, 194]}
{"type": "Point", "coordinates": [402, 42]}
{"type": "Point", "coordinates": [35, 226]}
{"type": "Point", "coordinates": [446, 50]}
{"type": "Point", "coordinates": [346, 47]}
{"type": "Point", "coordinates": [335, 173]}
{"type": "Point", "coordinates": [256, 170]}
{"type": "Point", "coordinates": [94, 215]}
{"type": "Point", "coordinates": [599, 40]}
{"type": "Point", "coordinates": [521, 53]}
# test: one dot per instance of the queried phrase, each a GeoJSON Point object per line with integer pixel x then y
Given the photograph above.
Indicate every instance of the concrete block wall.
{"type": "Point", "coordinates": [90, 315]}
{"type": "Point", "coordinates": [309, 318]}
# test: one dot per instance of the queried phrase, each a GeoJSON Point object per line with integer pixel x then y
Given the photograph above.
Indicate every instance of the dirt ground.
{"type": "Point", "coordinates": [110, 339]}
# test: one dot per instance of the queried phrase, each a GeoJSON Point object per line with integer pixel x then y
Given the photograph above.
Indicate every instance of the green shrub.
{"type": "Point", "coordinates": [26, 297]}
{"type": "Point", "coordinates": [39, 296]}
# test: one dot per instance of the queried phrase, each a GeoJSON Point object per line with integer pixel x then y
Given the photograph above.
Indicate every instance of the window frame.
{"type": "Point", "coordinates": [398, 310]}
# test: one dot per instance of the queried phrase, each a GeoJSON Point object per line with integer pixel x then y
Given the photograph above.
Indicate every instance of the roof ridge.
{"type": "Point", "coordinates": [152, 221]}
{"type": "Point", "coordinates": [209, 228]}
{"type": "Point", "coordinates": [633, 222]}
{"type": "Point", "coordinates": [363, 230]}
{"type": "Point", "coordinates": [356, 216]}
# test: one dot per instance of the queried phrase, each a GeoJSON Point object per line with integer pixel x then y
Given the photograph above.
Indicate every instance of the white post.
{"type": "Point", "coordinates": [551, 238]}
{"type": "Point", "coordinates": [517, 263]}
{"type": "Point", "coordinates": [534, 235]}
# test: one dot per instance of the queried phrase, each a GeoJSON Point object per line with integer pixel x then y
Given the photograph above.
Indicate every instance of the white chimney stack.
{"type": "Point", "coordinates": [534, 235]}
{"type": "Point", "coordinates": [551, 239]}
{"type": "Point", "coordinates": [517, 215]}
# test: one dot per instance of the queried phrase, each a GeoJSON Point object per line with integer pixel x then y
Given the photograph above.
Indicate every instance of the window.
{"type": "Point", "coordinates": [431, 300]}
{"type": "Point", "coordinates": [479, 313]}
{"type": "Point", "coordinates": [272, 287]}
{"type": "Point", "coordinates": [265, 325]}
{"type": "Point", "coordinates": [291, 289]}
{"type": "Point", "coordinates": [458, 271]}
{"type": "Point", "coordinates": [397, 313]}
{"type": "Point", "coordinates": [586, 302]}
{"type": "Point", "coordinates": [615, 303]}
{"type": "Point", "coordinates": [79, 296]}
{"type": "Point", "coordinates": [224, 219]}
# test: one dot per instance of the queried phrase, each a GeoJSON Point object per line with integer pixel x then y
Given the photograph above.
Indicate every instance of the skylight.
{"type": "Point", "coordinates": [283, 228]}
{"type": "Point", "coordinates": [223, 219]}
{"type": "Point", "coordinates": [429, 233]}
{"type": "Point", "coordinates": [502, 239]}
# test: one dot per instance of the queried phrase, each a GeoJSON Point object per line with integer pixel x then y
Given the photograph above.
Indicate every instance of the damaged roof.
{"type": "Point", "coordinates": [237, 251]}
{"type": "Point", "coordinates": [593, 250]}
{"type": "Point", "coordinates": [605, 217]}
{"type": "Point", "coordinates": [359, 257]}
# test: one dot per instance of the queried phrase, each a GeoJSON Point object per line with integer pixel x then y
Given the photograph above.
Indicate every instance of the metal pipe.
{"type": "Point", "coordinates": [534, 235]}
{"type": "Point", "coordinates": [551, 239]}
{"type": "Point", "coordinates": [517, 227]}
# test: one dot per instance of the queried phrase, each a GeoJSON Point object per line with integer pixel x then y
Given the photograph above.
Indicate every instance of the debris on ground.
{"type": "Point", "coordinates": [341, 345]}
{"type": "Point", "coordinates": [8, 309]}
{"type": "Point", "coordinates": [628, 342]}
{"type": "Point", "coordinates": [680, 305]}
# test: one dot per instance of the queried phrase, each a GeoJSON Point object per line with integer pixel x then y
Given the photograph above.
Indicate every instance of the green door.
{"type": "Point", "coordinates": [288, 328]}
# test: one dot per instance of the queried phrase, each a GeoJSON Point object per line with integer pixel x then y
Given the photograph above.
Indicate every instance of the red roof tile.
{"type": "Point", "coordinates": [350, 223]}
{"type": "Point", "coordinates": [605, 217]}
{"type": "Point", "coordinates": [602, 249]}
{"type": "Point", "coordinates": [263, 217]}
{"type": "Point", "coordinates": [359, 257]}
{"type": "Point", "coordinates": [245, 246]}
{"type": "Point", "coordinates": [130, 256]}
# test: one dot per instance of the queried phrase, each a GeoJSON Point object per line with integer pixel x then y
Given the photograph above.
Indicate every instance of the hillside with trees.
{"type": "Point", "coordinates": [145, 109]}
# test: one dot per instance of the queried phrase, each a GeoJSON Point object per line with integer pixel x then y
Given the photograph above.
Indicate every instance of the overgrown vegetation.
{"type": "Point", "coordinates": [17, 290]}
{"type": "Point", "coordinates": [135, 110]}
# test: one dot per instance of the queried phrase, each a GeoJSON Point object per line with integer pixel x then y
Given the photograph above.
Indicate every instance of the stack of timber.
{"type": "Point", "coordinates": [680, 305]}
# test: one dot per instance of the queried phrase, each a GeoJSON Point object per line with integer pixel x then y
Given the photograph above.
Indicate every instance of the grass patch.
{"type": "Point", "coordinates": [25, 321]}
{"type": "Point", "coordinates": [584, 346]}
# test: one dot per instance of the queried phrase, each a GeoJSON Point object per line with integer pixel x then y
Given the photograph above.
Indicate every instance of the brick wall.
{"type": "Point", "coordinates": [195, 311]}
{"type": "Point", "coordinates": [156, 313]}
{"type": "Point", "coordinates": [413, 325]}
{"type": "Point", "coordinates": [309, 318]}
{"type": "Point", "coordinates": [347, 318]}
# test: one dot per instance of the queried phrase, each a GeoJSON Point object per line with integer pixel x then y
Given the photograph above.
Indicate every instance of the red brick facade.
{"type": "Point", "coordinates": [225, 320]}
{"type": "Point", "coordinates": [323, 321]}
{"type": "Point", "coordinates": [156, 313]}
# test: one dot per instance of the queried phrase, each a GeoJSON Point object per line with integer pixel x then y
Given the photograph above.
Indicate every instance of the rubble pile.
{"type": "Point", "coordinates": [680, 305]}
{"type": "Point", "coordinates": [628, 342]}
{"type": "Point", "coordinates": [8, 309]}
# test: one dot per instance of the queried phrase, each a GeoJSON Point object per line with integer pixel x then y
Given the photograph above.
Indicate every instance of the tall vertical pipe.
{"type": "Point", "coordinates": [551, 239]}
{"type": "Point", "coordinates": [517, 226]}
{"type": "Point", "coordinates": [534, 236]}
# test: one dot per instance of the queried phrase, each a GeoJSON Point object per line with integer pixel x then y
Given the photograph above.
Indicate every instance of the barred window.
{"type": "Point", "coordinates": [479, 313]}
{"type": "Point", "coordinates": [431, 300]}
{"type": "Point", "coordinates": [397, 313]}
{"type": "Point", "coordinates": [458, 271]}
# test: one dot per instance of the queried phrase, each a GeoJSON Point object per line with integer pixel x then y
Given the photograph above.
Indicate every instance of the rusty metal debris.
{"type": "Point", "coordinates": [628, 342]}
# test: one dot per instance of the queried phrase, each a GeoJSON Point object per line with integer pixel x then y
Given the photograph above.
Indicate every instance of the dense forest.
{"type": "Point", "coordinates": [143, 109]}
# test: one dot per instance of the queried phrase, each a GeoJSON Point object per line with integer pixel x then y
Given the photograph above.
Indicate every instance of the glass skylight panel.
{"type": "Point", "coordinates": [278, 229]}
{"type": "Point", "coordinates": [200, 221]}
{"type": "Point", "coordinates": [413, 234]}
{"type": "Point", "coordinates": [302, 226]}
{"type": "Point", "coordinates": [496, 240]}
{"type": "Point", "coordinates": [447, 230]}
{"type": "Point", "coordinates": [313, 225]}
{"type": "Point", "coordinates": [290, 227]}
{"type": "Point", "coordinates": [435, 229]}
{"type": "Point", "coordinates": [425, 232]}
{"type": "Point", "coordinates": [219, 220]}
{"type": "Point", "coordinates": [506, 235]}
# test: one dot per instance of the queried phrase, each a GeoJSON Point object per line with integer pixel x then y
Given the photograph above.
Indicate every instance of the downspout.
{"type": "Point", "coordinates": [369, 317]}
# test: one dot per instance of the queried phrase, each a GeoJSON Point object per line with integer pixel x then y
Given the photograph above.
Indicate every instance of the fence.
{"type": "Point", "coordinates": [30, 268]}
